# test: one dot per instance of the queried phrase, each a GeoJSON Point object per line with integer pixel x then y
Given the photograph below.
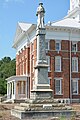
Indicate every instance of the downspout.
{"type": "Point", "coordinates": [70, 68]}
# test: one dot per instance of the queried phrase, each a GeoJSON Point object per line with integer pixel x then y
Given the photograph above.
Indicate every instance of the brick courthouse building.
{"type": "Point", "coordinates": [57, 74]}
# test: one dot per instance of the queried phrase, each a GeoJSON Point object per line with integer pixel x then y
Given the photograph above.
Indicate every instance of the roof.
{"type": "Point", "coordinates": [24, 26]}
{"type": "Point", "coordinates": [17, 78]}
{"type": "Point", "coordinates": [67, 22]}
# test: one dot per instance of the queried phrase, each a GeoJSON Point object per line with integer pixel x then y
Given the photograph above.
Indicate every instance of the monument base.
{"type": "Point", "coordinates": [41, 94]}
{"type": "Point", "coordinates": [42, 115]}
{"type": "Point", "coordinates": [42, 109]}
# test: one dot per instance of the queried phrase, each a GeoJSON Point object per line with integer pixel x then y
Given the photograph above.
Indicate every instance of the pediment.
{"type": "Point", "coordinates": [20, 30]}
{"type": "Point", "coordinates": [17, 33]}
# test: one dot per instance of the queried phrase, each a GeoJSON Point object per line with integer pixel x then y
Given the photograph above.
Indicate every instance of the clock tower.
{"type": "Point", "coordinates": [74, 4]}
{"type": "Point", "coordinates": [74, 11]}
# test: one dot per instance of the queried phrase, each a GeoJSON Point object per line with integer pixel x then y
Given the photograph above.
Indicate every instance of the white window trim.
{"type": "Point", "coordinates": [48, 45]}
{"type": "Point", "coordinates": [58, 41]}
{"type": "Point", "coordinates": [75, 58]}
{"type": "Point", "coordinates": [60, 63]}
{"type": "Point", "coordinates": [60, 86]}
{"type": "Point", "coordinates": [75, 80]}
{"type": "Point", "coordinates": [76, 46]}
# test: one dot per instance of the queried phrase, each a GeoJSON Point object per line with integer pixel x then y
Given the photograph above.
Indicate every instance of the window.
{"type": "Point", "coordinates": [74, 86]}
{"type": "Point", "coordinates": [19, 87]}
{"type": "Point", "coordinates": [23, 87]}
{"type": "Point", "coordinates": [74, 47]}
{"type": "Point", "coordinates": [49, 78]}
{"type": "Point", "coordinates": [58, 86]}
{"type": "Point", "coordinates": [58, 63]}
{"type": "Point", "coordinates": [58, 45]}
{"type": "Point", "coordinates": [74, 64]}
{"type": "Point", "coordinates": [48, 61]}
{"type": "Point", "coordinates": [47, 45]}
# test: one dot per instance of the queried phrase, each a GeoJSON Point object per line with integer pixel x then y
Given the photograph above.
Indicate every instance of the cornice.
{"type": "Point", "coordinates": [62, 28]}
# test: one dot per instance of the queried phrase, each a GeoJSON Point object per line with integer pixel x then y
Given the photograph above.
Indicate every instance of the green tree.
{"type": "Point", "coordinates": [6, 59]}
{"type": "Point", "coordinates": [7, 69]}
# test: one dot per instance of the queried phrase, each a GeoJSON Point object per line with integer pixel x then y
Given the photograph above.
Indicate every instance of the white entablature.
{"type": "Point", "coordinates": [60, 30]}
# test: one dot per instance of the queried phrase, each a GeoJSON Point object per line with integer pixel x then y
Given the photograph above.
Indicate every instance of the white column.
{"type": "Point", "coordinates": [14, 89]}
{"type": "Point", "coordinates": [10, 90]}
{"type": "Point", "coordinates": [7, 90]}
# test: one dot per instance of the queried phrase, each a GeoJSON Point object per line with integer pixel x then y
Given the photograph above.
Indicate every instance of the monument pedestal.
{"type": "Point", "coordinates": [41, 88]}
{"type": "Point", "coordinates": [41, 94]}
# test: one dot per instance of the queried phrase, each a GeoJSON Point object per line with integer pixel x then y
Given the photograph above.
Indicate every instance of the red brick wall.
{"type": "Point", "coordinates": [25, 61]}
{"type": "Point", "coordinates": [65, 67]}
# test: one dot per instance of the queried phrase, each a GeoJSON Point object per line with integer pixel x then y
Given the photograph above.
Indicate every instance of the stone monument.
{"type": "Point", "coordinates": [42, 105]}
{"type": "Point", "coordinates": [41, 88]}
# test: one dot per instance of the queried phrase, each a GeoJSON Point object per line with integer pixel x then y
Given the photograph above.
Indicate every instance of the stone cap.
{"type": "Point", "coordinates": [41, 66]}
{"type": "Point", "coordinates": [42, 90]}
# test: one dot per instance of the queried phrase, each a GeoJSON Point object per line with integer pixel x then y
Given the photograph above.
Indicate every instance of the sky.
{"type": "Point", "coordinates": [14, 11]}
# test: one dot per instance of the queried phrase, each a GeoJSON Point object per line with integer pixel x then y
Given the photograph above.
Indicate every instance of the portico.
{"type": "Point", "coordinates": [18, 87]}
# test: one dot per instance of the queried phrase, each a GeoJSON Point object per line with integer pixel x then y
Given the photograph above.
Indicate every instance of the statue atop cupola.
{"type": "Point", "coordinates": [40, 14]}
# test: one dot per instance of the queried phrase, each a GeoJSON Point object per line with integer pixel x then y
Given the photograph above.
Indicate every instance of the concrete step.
{"type": "Point", "coordinates": [39, 107]}
{"type": "Point", "coordinates": [40, 114]}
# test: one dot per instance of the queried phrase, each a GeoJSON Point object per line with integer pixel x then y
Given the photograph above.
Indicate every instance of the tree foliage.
{"type": "Point", "coordinates": [7, 69]}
